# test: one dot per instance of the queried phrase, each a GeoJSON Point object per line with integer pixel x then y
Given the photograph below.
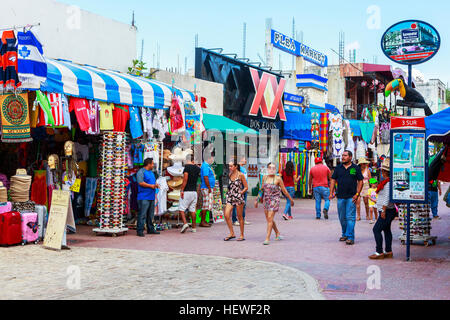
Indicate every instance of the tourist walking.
{"type": "Point", "coordinates": [433, 196]}
{"type": "Point", "coordinates": [364, 165]}
{"type": "Point", "coordinates": [242, 163]}
{"type": "Point", "coordinates": [387, 213]}
{"type": "Point", "coordinates": [373, 212]}
{"type": "Point", "coordinates": [349, 180]}
{"type": "Point", "coordinates": [237, 187]}
{"type": "Point", "coordinates": [289, 180]}
{"type": "Point", "coordinates": [207, 186]}
{"type": "Point", "coordinates": [146, 198]}
{"type": "Point", "coordinates": [188, 199]}
{"type": "Point", "coordinates": [319, 183]}
{"type": "Point", "coordinates": [270, 195]}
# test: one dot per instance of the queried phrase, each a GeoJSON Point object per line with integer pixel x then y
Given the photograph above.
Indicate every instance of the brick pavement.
{"type": "Point", "coordinates": [37, 273]}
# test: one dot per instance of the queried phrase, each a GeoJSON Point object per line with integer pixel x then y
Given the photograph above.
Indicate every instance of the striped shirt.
{"type": "Point", "coordinates": [383, 199]}
{"type": "Point", "coordinates": [57, 108]}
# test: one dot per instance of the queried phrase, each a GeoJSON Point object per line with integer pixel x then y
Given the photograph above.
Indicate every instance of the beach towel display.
{"type": "Point", "coordinates": [323, 133]}
{"type": "Point", "coordinates": [15, 118]}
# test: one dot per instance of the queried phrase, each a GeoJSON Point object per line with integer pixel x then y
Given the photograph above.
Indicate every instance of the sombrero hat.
{"type": "Point", "coordinates": [175, 182]}
{"type": "Point", "coordinates": [179, 155]}
{"type": "Point", "coordinates": [174, 195]}
{"type": "Point", "coordinates": [176, 170]}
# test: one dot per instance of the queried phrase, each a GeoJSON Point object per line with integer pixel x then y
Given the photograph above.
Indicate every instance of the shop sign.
{"type": "Point", "coordinates": [289, 97]}
{"type": "Point", "coordinates": [263, 125]}
{"type": "Point", "coordinates": [408, 122]}
{"type": "Point", "coordinates": [268, 95]}
{"type": "Point", "coordinates": [409, 166]}
{"type": "Point", "coordinates": [411, 42]}
{"type": "Point", "coordinates": [291, 46]}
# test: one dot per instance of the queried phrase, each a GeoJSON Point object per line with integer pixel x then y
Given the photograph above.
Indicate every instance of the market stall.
{"type": "Point", "coordinates": [108, 117]}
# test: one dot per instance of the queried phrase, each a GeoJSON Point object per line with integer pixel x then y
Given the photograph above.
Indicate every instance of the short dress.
{"type": "Point", "coordinates": [271, 197]}
{"type": "Point", "coordinates": [234, 196]}
{"type": "Point", "coordinates": [366, 186]}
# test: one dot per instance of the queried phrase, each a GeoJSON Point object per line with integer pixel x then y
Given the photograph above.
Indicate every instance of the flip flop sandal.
{"type": "Point", "coordinates": [228, 238]}
{"type": "Point", "coordinates": [241, 239]}
{"type": "Point", "coordinates": [279, 238]}
{"type": "Point", "coordinates": [266, 243]}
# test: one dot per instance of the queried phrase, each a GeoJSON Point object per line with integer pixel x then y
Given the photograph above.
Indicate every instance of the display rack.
{"type": "Point", "coordinates": [420, 224]}
{"type": "Point", "coordinates": [112, 200]}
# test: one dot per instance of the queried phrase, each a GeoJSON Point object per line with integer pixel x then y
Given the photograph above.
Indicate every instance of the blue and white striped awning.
{"type": "Point", "coordinates": [92, 83]}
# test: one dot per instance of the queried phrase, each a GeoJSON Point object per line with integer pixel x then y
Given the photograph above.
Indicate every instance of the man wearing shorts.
{"type": "Point", "coordinates": [188, 199]}
{"type": "Point", "coordinates": [208, 182]}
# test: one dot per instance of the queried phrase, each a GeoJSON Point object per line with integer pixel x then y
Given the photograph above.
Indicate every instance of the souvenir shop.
{"type": "Point", "coordinates": [314, 131]}
{"type": "Point", "coordinates": [78, 128]}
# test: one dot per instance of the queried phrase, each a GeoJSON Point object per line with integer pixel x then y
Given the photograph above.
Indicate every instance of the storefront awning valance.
{"type": "Point", "coordinates": [111, 86]}
{"type": "Point", "coordinates": [438, 126]}
{"type": "Point", "coordinates": [221, 123]}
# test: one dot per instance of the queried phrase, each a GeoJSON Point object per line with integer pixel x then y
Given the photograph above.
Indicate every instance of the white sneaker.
{"type": "Point", "coordinates": [194, 230]}
{"type": "Point", "coordinates": [183, 229]}
{"type": "Point", "coordinates": [236, 223]}
{"type": "Point", "coordinates": [247, 223]}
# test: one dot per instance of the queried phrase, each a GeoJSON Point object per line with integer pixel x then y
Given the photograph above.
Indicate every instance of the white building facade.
{"type": "Point", "coordinates": [69, 33]}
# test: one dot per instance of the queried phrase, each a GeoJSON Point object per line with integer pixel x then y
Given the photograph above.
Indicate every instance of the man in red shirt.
{"type": "Point", "coordinates": [319, 183]}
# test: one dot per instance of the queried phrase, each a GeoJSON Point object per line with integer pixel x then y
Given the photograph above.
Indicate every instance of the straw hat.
{"type": "Point", "coordinates": [174, 195]}
{"type": "Point", "coordinates": [363, 161]}
{"type": "Point", "coordinates": [166, 154]}
{"type": "Point", "coordinates": [175, 207]}
{"type": "Point", "coordinates": [386, 165]}
{"type": "Point", "coordinates": [175, 182]}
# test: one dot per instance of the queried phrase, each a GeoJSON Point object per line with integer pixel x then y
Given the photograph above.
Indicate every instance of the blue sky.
{"type": "Point", "coordinates": [174, 23]}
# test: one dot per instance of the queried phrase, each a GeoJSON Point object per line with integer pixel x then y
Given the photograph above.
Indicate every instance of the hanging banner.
{"type": "Point", "coordinates": [409, 166]}
{"type": "Point", "coordinates": [15, 118]}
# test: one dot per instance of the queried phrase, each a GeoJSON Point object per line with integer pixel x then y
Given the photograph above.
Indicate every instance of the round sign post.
{"type": "Point", "coordinates": [410, 42]}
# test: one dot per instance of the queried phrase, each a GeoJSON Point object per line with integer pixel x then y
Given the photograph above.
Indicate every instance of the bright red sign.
{"type": "Point", "coordinates": [259, 102]}
{"type": "Point", "coordinates": [408, 122]}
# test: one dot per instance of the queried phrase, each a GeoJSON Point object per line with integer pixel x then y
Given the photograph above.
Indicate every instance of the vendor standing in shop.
{"type": "Point", "coordinates": [146, 198]}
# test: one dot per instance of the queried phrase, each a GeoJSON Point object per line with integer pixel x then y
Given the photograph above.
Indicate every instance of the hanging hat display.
{"type": "Point", "coordinates": [176, 182]}
{"type": "Point", "coordinates": [176, 170]}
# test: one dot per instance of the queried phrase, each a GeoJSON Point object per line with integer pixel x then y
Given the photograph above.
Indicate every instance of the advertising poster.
{"type": "Point", "coordinates": [411, 42]}
{"type": "Point", "coordinates": [408, 167]}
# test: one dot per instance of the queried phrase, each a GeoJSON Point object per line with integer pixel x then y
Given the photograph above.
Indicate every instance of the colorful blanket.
{"type": "Point", "coordinates": [15, 118]}
{"type": "Point", "coordinates": [323, 132]}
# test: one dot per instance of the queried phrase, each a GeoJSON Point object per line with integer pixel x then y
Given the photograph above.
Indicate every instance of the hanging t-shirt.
{"type": "Point", "coordinates": [138, 154]}
{"type": "Point", "coordinates": [9, 70]}
{"type": "Point", "coordinates": [120, 117]}
{"type": "Point", "coordinates": [66, 113]}
{"type": "Point", "coordinates": [94, 118]}
{"type": "Point", "coordinates": [135, 123]}
{"type": "Point", "coordinates": [56, 107]}
{"type": "Point", "coordinates": [45, 112]}
{"type": "Point", "coordinates": [106, 116]}
{"type": "Point", "coordinates": [147, 121]}
{"type": "Point", "coordinates": [81, 108]}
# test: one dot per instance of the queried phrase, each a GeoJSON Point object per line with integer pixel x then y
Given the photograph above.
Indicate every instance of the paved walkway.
{"type": "Point", "coordinates": [312, 246]}
{"type": "Point", "coordinates": [92, 274]}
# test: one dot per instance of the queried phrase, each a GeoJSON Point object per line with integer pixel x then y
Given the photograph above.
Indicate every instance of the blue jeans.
{"type": "Point", "coordinates": [434, 199]}
{"type": "Point", "coordinates": [145, 215]}
{"type": "Point", "coordinates": [234, 215]}
{"type": "Point", "coordinates": [319, 194]}
{"type": "Point", "coordinates": [287, 210]}
{"type": "Point", "coordinates": [347, 217]}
